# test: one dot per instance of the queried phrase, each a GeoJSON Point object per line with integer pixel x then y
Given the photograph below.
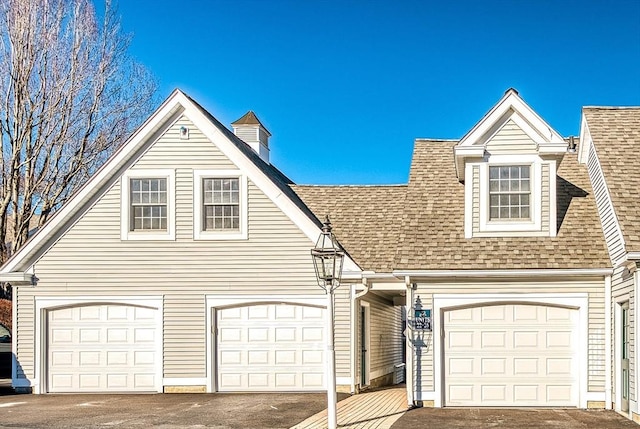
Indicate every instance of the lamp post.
{"type": "Point", "coordinates": [327, 260]}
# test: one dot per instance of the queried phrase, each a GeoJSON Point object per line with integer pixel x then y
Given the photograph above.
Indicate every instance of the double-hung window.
{"type": "Point", "coordinates": [147, 200]}
{"type": "Point", "coordinates": [148, 204]}
{"type": "Point", "coordinates": [220, 205]}
{"type": "Point", "coordinates": [509, 192]}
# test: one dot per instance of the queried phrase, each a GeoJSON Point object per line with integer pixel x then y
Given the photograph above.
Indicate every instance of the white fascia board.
{"type": "Point", "coordinates": [18, 278]}
{"type": "Point", "coordinates": [584, 141]}
{"type": "Point", "coordinates": [483, 126]}
{"type": "Point", "coordinates": [229, 149]}
{"type": "Point", "coordinates": [633, 256]}
{"type": "Point", "coordinates": [167, 109]}
{"type": "Point", "coordinates": [462, 153]}
{"type": "Point", "coordinates": [369, 275]}
{"type": "Point", "coordinates": [469, 151]}
{"type": "Point", "coordinates": [552, 149]}
{"type": "Point", "coordinates": [505, 273]}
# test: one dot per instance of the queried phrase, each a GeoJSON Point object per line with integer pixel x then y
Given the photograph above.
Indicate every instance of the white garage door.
{"type": "Point", "coordinates": [511, 355]}
{"type": "Point", "coordinates": [271, 347]}
{"type": "Point", "coordinates": [102, 348]}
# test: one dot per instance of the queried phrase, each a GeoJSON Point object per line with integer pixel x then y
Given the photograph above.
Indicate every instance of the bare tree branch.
{"type": "Point", "coordinates": [69, 96]}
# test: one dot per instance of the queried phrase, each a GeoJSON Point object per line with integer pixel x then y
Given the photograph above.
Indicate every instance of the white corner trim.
{"type": "Point", "coordinates": [46, 303]}
{"type": "Point", "coordinates": [198, 232]}
{"type": "Point", "coordinates": [578, 301]}
{"type": "Point", "coordinates": [125, 205]}
{"type": "Point", "coordinates": [608, 343]}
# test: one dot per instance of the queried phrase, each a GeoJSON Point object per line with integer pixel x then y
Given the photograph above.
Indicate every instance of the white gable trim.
{"type": "Point", "coordinates": [511, 100]}
{"type": "Point", "coordinates": [177, 103]}
{"type": "Point", "coordinates": [166, 111]}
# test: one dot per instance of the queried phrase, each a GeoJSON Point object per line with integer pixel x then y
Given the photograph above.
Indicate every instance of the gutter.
{"type": "Point", "coordinates": [505, 273]}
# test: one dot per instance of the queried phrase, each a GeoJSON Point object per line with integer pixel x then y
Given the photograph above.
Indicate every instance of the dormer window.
{"type": "Point", "coordinates": [509, 192]}
{"type": "Point", "coordinates": [507, 163]}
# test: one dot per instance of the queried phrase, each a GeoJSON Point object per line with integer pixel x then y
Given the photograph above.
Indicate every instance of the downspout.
{"type": "Point", "coordinates": [408, 347]}
{"type": "Point", "coordinates": [607, 342]}
{"type": "Point", "coordinates": [355, 295]}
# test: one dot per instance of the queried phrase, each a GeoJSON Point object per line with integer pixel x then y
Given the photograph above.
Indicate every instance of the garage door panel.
{"type": "Point", "coordinates": [102, 348]}
{"type": "Point", "coordinates": [510, 355]}
{"type": "Point", "coordinates": [270, 347]}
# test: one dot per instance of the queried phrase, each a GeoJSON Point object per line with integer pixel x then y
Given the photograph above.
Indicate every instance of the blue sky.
{"type": "Point", "coordinates": [346, 86]}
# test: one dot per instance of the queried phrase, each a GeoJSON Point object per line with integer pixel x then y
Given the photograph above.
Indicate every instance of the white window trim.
{"type": "Point", "coordinates": [125, 205]}
{"type": "Point", "coordinates": [198, 232]}
{"type": "Point", "coordinates": [535, 209]}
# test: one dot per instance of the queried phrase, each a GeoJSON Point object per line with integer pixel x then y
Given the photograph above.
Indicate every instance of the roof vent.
{"type": "Point", "coordinates": [252, 132]}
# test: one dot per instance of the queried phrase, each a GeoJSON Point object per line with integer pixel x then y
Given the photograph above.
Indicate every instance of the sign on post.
{"type": "Point", "coordinates": [422, 320]}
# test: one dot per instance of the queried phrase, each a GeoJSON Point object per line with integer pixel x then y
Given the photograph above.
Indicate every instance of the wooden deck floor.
{"type": "Point", "coordinates": [372, 410]}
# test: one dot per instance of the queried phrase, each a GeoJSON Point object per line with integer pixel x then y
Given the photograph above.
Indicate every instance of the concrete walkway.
{"type": "Point", "coordinates": [378, 409]}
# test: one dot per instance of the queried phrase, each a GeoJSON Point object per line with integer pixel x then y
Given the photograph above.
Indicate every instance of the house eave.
{"type": "Point", "coordinates": [18, 278]}
{"type": "Point", "coordinates": [579, 272]}
{"type": "Point", "coordinates": [634, 256]}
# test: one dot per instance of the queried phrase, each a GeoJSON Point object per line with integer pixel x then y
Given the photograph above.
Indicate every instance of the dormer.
{"type": "Point", "coordinates": [508, 163]}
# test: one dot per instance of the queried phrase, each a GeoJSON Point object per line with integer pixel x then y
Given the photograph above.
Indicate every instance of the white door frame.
{"type": "Point", "coordinates": [44, 304]}
{"type": "Point", "coordinates": [617, 353]}
{"type": "Point", "coordinates": [443, 302]}
{"type": "Point", "coordinates": [216, 302]}
{"type": "Point", "coordinates": [365, 343]}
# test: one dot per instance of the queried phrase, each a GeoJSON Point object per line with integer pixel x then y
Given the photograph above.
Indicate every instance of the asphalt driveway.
{"type": "Point", "coordinates": [511, 418]}
{"type": "Point", "coordinates": [258, 411]}
{"type": "Point", "coordinates": [220, 411]}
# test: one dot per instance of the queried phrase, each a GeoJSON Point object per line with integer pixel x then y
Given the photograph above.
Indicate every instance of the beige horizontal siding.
{"type": "Point", "coordinates": [25, 322]}
{"type": "Point", "coordinates": [385, 348]}
{"type": "Point", "coordinates": [545, 198]}
{"type": "Point", "coordinates": [92, 260]}
{"type": "Point", "coordinates": [476, 198]}
{"type": "Point", "coordinates": [594, 288]}
{"type": "Point", "coordinates": [342, 328]}
{"type": "Point", "coordinates": [510, 139]}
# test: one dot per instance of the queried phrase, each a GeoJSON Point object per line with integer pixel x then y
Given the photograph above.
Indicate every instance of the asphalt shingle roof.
{"type": "Point", "coordinates": [616, 135]}
{"type": "Point", "coordinates": [365, 219]}
{"type": "Point", "coordinates": [433, 233]}
{"type": "Point", "coordinates": [430, 235]}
